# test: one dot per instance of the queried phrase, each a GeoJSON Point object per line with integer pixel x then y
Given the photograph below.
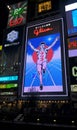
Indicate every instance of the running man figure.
{"type": "Point", "coordinates": [41, 58]}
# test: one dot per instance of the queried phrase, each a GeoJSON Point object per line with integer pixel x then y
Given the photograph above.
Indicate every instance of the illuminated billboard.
{"type": "Point", "coordinates": [47, 5]}
{"type": "Point", "coordinates": [71, 18]}
{"type": "Point", "coordinates": [17, 14]}
{"type": "Point", "coordinates": [13, 40]}
{"type": "Point", "coordinates": [72, 46]}
{"type": "Point", "coordinates": [13, 36]}
{"type": "Point", "coordinates": [44, 6]}
{"type": "Point", "coordinates": [73, 73]}
{"type": "Point", "coordinates": [44, 71]}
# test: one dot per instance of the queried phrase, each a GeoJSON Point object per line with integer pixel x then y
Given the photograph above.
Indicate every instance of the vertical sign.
{"type": "Point", "coordinates": [44, 71]}
{"type": "Point", "coordinates": [17, 14]}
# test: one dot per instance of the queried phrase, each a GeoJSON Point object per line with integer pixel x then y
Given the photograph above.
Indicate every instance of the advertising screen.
{"type": "Point", "coordinates": [72, 46]}
{"type": "Point", "coordinates": [73, 73]}
{"type": "Point", "coordinates": [71, 18]}
{"type": "Point", "coordinates": [44, 71]}
{"type": "Point", "coordinates": [10, 58]}
{"type": "Point", "coordinates": [13, 40]}
{"type": "Point", "coordinates": [13, 37]}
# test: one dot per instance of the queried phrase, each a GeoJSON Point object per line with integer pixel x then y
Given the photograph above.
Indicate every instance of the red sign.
{"type": "Point", "coordinates": [15, 22]}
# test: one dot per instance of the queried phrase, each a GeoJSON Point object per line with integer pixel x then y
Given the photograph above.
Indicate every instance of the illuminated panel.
{"type": "Point", "coordinates": [8, 78]}
{"type": "Point", "coordinates": [0, 47]}
{"type": "Point", "coordinates": [7, 93]}
{"type": "Point", "coordinates": [47, 6]}
{"type": "Point", "coordinates": [17, 14]}
{"type": "Point", "coordinates": [44, 73]}
{"type": "Point", "coordinates": [13, 36]}
{"type": "Point", "coordinates": [44, 6]}
{"type": "Point", "coordinates": [73, 73]}
{"type": "Point", "coordinates": [8, 86]}
{"type": "Point", "coordinates": [72, 46]}
{"type": "Point", "coordinates": [71, 18]}
{"type": "Point", "coordinates": [71, 6]}
{"type": "Point", "coordinates": [11, 53]}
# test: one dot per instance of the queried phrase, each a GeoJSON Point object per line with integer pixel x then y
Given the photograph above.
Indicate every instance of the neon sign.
{"type": "Point", "coordinates": [15, 22]}
{"type": "Point", "coordinates": [17, 14]}
{"type": "Point", "coordinates": [13, 35]}
{"type": "Point", "coordinates": [72, 43]}
{"type": "Point", "coordinates": [42, 30]}
{"type": "Point", "coordinates": [44, 6]}
{"type": "Point", "coordinates": [0, 47]}
{"type": "Point", "coordinates": [74, 71]}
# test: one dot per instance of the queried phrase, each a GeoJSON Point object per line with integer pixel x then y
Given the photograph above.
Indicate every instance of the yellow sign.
{"type": "Point", "coordinates": [44, 6]}
{"type": "Point", "coordinates": [0, 47]}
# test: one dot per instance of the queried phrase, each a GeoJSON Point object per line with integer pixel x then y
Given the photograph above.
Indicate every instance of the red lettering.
{"type": "Point", "coordinates": [19, 21]}
{"type": "Point", "coordinates": [72, 45]}
{"type": "Point", "coordinates": [42, 30]}
{"type": "Point", "coordinates": [36, 32]}
{"type": "Point", "coordinates": [15, 22]}
{"type": "Point", "coordinates": [11, 23]}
